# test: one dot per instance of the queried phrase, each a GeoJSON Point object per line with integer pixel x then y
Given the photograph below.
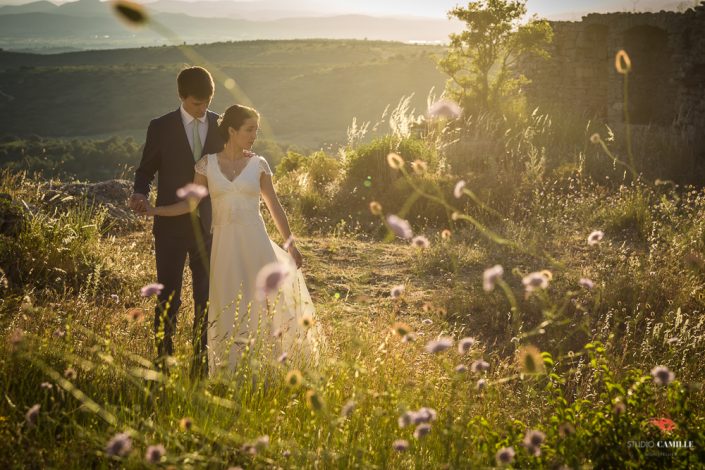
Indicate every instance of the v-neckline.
{"type": "Point", "coordinates": [217, 164]}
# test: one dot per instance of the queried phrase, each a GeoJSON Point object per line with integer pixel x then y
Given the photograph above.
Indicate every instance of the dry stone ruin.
{"type": "Point", "coordinates": [666, 83]}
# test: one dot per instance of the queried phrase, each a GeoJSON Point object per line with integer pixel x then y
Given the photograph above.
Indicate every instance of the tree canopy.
{"type": "Point", "coordinates": [482, 60]}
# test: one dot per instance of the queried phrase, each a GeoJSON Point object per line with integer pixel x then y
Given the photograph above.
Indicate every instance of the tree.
{"type": "Point", "coordinates": [482, 60]}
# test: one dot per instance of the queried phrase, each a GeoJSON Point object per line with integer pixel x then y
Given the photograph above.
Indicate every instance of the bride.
{"type": "Point", "coordinates": [257, 298]}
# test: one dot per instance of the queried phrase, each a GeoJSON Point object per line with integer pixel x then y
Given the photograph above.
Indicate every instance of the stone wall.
{"type": "Point", "coordinates": [667, 82]}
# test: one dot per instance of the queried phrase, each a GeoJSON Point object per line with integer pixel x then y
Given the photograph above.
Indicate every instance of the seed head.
{"type": "Point", "coordinates": [425, 415]}
{"type": "Point", "coordinates": [439, 345]}
{"type": "Point", "coordinates": [534, 438]}
{"type": "Point", "coordinates": [586, 283]}
{"type": "Point", "coordinates": [32, 415]}
{"type": "Point", "coordinates": [151, 289]}
{"type": "Point", "coordinates": [535, 280]}
{"type": "Point", "coordinates": [595, 237]}
{"type": "Point", "coordinates": [406, 419]}
{"type": "Point", "coordinates": [135, 315]}
{"type": "Point", "coordinates": [313, 400]}
{"type": "Point", "coordinates": [662, 375]}
{"type": "Point", "coordinates": [445, 234]}
{"type": "Point", "coordinates": [458, 189]}
{"type": "Point", "coordinates": [395, 161]}
{"type": "Point", "coordinates": [400, 445]}
{"type": "Point", "coordinates": [491, 276]}
{"type": "Point", "coordinates": [192, 192]}
{"type": "Point", "coordinates": [307, 320]}
{"type": "Point", "coordinates": [419, 166]}
{"type": "Point", "coordinates": [397, 291]}
{"type": "Point", "coordinates": [132, 13]}
{"type": "Point", "coordinates": [375, 208]}
{"type": "Point", "coordinates": [505, 456]}
{"type": "Point", "coordinates": [420, 241]}
{"type": "Point", "coordinates": [531, 360]}
{"type": "Point", "coordinates": [422, 430]}
{"type": "Point", "coordinates": [270, 279]}
{"type": "Point", "coordinates": [186, 424]}
{"type": "Point", "coordinates": [402, 329]}
{"type": "Point", "coordinates": [465, 344]}
{"type": "Point", "coordinates": [119, 445]}
{"type": "Point", "coordinates": [480, 366]}
{"type": "Point", "coordinates": [294, 378]}
{"type": "Point", "coordinates": [444, 109]}
{"type": "Point", "coordinates": [622, 62]}
{"type": "Point", "coordinates": [400, 227]}
{"type": "Point", "coordinates": [595, 138]}
{"type": "Point", "coordinates": [154, 453]}
{"type": "Point", "coordinates": [566, 429]}
{"type": "Point", "coordinates": [261, 442]}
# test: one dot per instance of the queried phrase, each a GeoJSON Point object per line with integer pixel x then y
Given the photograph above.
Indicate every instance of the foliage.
{"type": "Point", "coordinates": [94, 160]}
{"type": "Point", "coordinates": [482, 59]}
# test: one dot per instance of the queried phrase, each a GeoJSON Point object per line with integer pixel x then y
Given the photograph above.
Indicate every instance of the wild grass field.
{"type": "Point", "coordinates": [503, 289]}
{"type": "Point", "coordinates": [583, 351]}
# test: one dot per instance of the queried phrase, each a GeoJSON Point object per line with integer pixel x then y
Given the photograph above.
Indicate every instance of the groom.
{"type": "Point", "coordinates": [174, 143]}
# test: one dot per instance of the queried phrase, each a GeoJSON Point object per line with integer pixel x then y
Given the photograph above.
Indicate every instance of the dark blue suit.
{"type": "Point", "coordinates": [168, 154]}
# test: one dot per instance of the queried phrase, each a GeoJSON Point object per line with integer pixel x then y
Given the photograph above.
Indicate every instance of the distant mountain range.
{"type": "Point", "coordinates": [91, 24]}
{"type": "Point", "coordinates": [260, 10]}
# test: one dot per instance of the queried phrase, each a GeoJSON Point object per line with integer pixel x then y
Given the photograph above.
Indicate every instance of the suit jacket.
{"type": "Point", "coordinates": [167, 153]}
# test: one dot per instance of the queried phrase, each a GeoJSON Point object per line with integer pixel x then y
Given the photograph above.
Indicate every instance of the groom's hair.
{"type": "Point", "coordinates": [196, 82]}
{"type": "Point", "coordinates": [235, 116]}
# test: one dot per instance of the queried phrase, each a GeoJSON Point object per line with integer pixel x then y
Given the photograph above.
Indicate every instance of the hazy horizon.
{"type": "Point", "coordinates": [436, 9]}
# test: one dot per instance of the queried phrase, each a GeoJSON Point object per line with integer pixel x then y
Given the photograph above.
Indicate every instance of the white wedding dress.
{"type": "Point", "coordinates": [237, 317]}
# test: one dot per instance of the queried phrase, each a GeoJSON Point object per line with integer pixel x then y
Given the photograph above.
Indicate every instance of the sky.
{"type": "Point", "coordinates": [439, 8]}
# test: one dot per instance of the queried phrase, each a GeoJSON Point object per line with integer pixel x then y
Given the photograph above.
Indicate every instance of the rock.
{"type": "Point", "coordinates": [111, 195]}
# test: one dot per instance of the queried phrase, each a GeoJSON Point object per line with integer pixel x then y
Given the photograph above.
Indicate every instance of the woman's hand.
{"type": "Point", "coordinates": [294, 252]}
{"type": "Point", "coordinates": [150, 211]}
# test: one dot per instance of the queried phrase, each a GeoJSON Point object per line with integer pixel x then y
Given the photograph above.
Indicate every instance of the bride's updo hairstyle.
{"type": "Point", "coordinates": [235, 116]}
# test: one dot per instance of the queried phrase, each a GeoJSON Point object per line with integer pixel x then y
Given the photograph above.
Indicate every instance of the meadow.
{"type": "Point", "coordinates": [582, 351]}
{"type": "Point", "coordinates": [520, 289]}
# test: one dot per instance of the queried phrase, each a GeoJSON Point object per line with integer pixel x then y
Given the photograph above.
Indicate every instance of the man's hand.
{"type": "Point", "coordinates": [138, 203]}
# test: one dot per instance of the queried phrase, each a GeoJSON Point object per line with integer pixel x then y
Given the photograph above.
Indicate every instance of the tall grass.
{"type": "Point", "coordinates": [574, 356]}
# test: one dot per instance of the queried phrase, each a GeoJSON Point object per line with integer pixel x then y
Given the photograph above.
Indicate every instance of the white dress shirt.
{"type": "Point", "coordinates": [189, 121]}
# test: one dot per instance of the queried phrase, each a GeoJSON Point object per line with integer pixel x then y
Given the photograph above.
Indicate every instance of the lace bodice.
{"type": "Point", "coordinates": [201, 166]}
{"type": "Point", "coordinates": [236, 201]}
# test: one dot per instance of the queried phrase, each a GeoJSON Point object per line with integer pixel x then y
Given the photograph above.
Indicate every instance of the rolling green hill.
{"type": "Point", "coordinates": [307, 90]}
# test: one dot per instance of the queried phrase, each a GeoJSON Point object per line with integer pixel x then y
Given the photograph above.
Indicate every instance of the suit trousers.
{"type": "Point", "coordinates": [171, 254]}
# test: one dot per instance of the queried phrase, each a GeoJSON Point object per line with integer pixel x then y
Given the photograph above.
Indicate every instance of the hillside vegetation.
{"type": "Point", "coordinates": [588, 342]}
{"type": "Point", "coordinates": [308, 91]}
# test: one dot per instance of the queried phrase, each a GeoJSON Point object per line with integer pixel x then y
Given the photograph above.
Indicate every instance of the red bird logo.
{"type": "Point", "coordinates": [664, 424]}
